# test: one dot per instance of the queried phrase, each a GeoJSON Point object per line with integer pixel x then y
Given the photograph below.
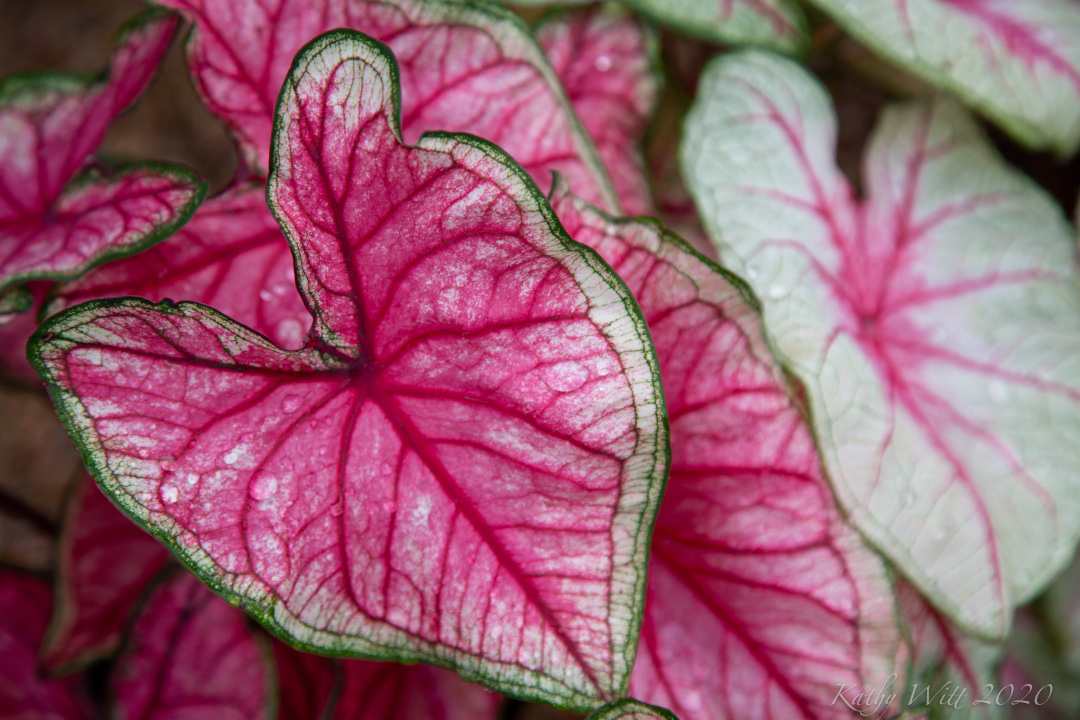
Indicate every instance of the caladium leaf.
{"type": "Point", "coordinates": [231, 255]}
{"type": "Point", "coordinates": [52, 226]}
{"type": "Point", "coordinates": [935, 326]}
{"type": "Point", "coordinates": [1017, 61]}
{"type": "Point", "coordinates": [464, 67]}
{"type": "Point", "coordinates": [190, 655]}
{"type": "Point", "coordinates": [630, 709]}
{"type": "Point", "coordinates": [761, 600]}
{"type": "Point", "coordinates": [106, 562]}
{"type": "Point", "coordinates": [476, 385]}
{"type": "Point", "coordinates": [391, 691]}
{"type": "Point", "coordinates": [24, 693]}
{"type": "Point", "coordinates": [606, 60]}
{"type": "Point", "coordinates": [775, 24]}
{"type": "Point", "coordinates": [948, 669]}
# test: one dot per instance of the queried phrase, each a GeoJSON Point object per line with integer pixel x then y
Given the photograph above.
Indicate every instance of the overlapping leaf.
{"type": "Point", "coordinates": [230, 256]}
{"type": "Point", "coordinates": [465, 67]}
{"type": "Point", "coordinates": [463, 464]}
{"type": "Point", "coordinates": [936, 327]}
{"type": "Point", "coordinates": [761, 600]}
{"type": "Point", "coordinates": [1017, 61]}
{"type": "Point", "coordinates": [52, 226]}
{"type": "Point", "coordinates": [24, 693]}
{"type": "Point", "coordinates": [775, 24]}
{"type": "Point", "coordinates": [106, 562]}
{"type": "Point", "coordinates": [606, 61]}
{"type": "Point", "coordinates": [390, 691]}
{"type": "Point", "coordinates": [189, 654]}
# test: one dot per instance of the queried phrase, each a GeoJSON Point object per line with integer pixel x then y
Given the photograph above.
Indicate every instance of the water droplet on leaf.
{"type": "Point", "coordinates": [168, 464]}
{"type": "Point", "coordinates": [290, 404]}
{"type": "Point", "coordinates": [169, 493]}
{"type": "Point", "coordinates": [230, 457]}
{"type": "Point", "coordinates": [336, 509]}
{"type": "Point", "coordinates": [263, 487]}
{"type": "Point", "coordinates": [265, 295]}
{"type": "Point", "coordinates": [603, 63]}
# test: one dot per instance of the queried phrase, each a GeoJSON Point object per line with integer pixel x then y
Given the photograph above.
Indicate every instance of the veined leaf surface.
{"type": "Point", "coordinates": [606, 60]}
{"type": "Point", "coordinates": [106, 562]}
{"type": "Point", "coordinates": [775, 24]}
{"type": "Point", "coordinates": [761, 600]}
{"type": "Point", "coordinates": [56, 228]}
{"type": "Point", "coordinates": [190, 655]}
{"type": "Point", "coordinates": [463, 464]}
{"type": "Point", "coordinates": [1017, 61]}
{"type": "Point", "coordinates": [464, 67]}
{"type": "Point", "coordinates": [935, 326]}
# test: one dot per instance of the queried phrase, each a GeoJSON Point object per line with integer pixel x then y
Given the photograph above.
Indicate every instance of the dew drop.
{"type": "Point", "coordinates": [143, 453]}
{"type": "Point", "coordinates": [328, 421]}
{"type": "Point", "coordinates": [230, 457]}
{"type": "Point", "coordinates": [336, 510]}
{"type": "Point", "coordinates": [602, 63]}
{"type": "Point", "coordinates": [998, 391]}
{"type": "Point", "coordinates": [169, 493]}
{"type": "Point", "coordinates": [263, 487]}
{"type": "Point", "coordinates": [192, 479]}
{"type": "Point", "coordinates": [777, 291]}
{"type": "Point", "coordinates": [386, 469]}
{"type": "Point", "coordinates": [279, 289]}
{"type": "Point", "coordinates": [566, 376]}
{"type": "Point", "coordinates": [389, 506]}
{"type": "Point", "coordinates": [168, 464]}
{"type": "Point", "coordinates": [290, 404]}
{"type": "Point", "coordinates": [266, 295]}
{"type": "Point", "coordinates": [314, 423]}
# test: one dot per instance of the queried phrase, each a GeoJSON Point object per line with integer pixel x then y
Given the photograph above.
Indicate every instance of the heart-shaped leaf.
{"type": "Point", "coordinates": [53, 227]}
{"type": "Point", "coordinates": [606, 61]}
{"type": "Point", "coordinates": [24, 693]}
{"type": "Point", "coordinates": [464, 67]}
{"type": "Point", "coordinates": [761, 599]}
{"type": "Point", "coordinates": [464, 463]}
{"type": "Point", "coordinates": [630, 709]}
{"type": "Point", "coordinates": [189, 654]}
{"type": "Point", "coordinates": [231, 255]}
{"type": "Point", "coordinates": [936, 326]}
{"type": "Point", "coordinates": [105, 564]}
{"type": "Point", "coordinates": [1017, 61]}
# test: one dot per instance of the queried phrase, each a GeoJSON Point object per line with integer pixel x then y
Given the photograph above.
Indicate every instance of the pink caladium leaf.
{"type": "Point", "coordinates": [189, 654]}
{"type": "Point", "coordinates": [391, 691]}
{"type": "Point", "coordinates": [761, 600]}
{"type": "Point", "coordinates": [606, 60]}
{"type": "Point", "coordinates": [15, 333]}
{"type": "Point", "coordinates": [463, 463]}
{"type": "Point", "coordinates": [935, 326]}
{"type": "Point", "coordinates": [25, 693]}
{"type": "Point", "coordinates": [106, 562]}
{"type": "Point", "coordinates": [54, 227]}
{"type": "Point", "coordinates": [231, 255]}
{"type": "Point", "coordinates": [1017, 61]}
{"type": "Point", "coordinates": [630, 709]}
{"type": "Point", "coordinates": [472, 68]}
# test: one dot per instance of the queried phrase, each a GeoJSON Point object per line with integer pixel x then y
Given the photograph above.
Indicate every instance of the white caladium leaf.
{"type": "Point", "coordinates": [935, 326]}
{"type": "Point", "coordinates": [775, 24]}
{"type": "Point", "coordinates": [461, 465]}
{"type": "Point", "coordinates": [1017, 61]}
